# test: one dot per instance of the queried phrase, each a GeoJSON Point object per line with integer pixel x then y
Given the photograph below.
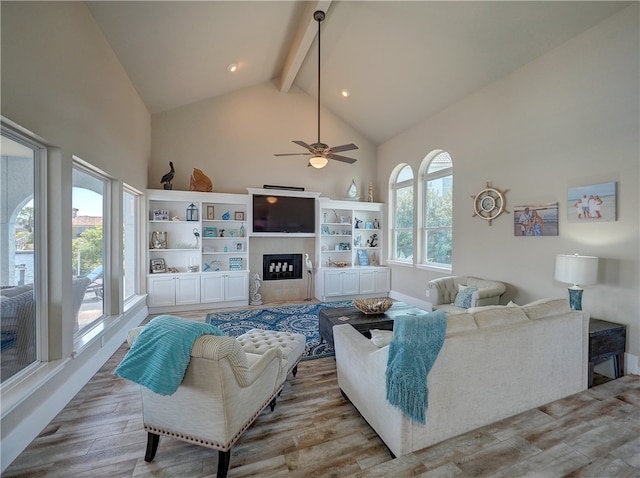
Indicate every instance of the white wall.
{"type": "Point", "coordinates": [61, 81]}
{"type": "Point", "coordinates": [233, 138]}
{"type": "Point", "coordinates": [569, 118]}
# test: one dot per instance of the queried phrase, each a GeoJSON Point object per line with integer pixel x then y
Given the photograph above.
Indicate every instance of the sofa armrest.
{"type": "Point", "coordinates": [443, 290]}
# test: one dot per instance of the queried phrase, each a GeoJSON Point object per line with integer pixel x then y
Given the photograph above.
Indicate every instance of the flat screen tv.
{"type": "Point", "coordinates": [283, 214]}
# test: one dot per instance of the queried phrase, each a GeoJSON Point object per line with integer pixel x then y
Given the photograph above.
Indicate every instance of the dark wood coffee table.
{"type": "Point", "coordinates": [362, 322]}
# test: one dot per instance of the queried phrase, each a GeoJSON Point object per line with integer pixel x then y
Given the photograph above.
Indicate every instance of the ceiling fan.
{"type": "Point", "coordinates": [321, 153]}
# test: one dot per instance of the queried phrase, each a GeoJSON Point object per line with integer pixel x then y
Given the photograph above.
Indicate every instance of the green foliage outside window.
{"type": "Point", "coordinates": [439, 220]}
{"type": "Point", "coordinates": [87, 248]}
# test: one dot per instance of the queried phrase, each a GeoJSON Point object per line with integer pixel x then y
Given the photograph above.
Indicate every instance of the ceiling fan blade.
{"type": "Point", "coordinates": [344, 159]}
{"type": "Point", "coordinates": [344, 147]}
{"type": "Point", "coordinates": [304, 145]}
{"type": "Point", "coordinates": [292, 154]}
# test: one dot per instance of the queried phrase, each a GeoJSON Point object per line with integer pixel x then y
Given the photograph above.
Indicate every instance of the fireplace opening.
{"type": "Point", "coordinates": [281, 266]}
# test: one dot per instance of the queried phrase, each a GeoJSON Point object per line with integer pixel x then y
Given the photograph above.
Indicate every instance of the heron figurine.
{"type": "Point", "coordinates": [166, 179]}
{"type": "Point", "coordinates": [309, 265]}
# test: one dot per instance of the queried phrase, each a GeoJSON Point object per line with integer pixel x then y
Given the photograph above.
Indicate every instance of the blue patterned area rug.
{"type": "Point", "coordinates": [301, 319]}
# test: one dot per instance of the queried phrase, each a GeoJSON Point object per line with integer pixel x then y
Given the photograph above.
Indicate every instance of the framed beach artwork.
{"type": "Point", "coordinates": [593, 203]}
{"type": "Point", "coordinates": [536, 220]}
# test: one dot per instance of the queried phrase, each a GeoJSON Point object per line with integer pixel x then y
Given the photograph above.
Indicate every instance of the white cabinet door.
{"type": "Point", "coordinates": [161, 291]}
{"type": "Point", "coordinates": [368, 282]}
{"type": "Point", "coordinates": [350, 282]}
{"type": "Point", "coordinates": [236, 286]}
{"type": "Point", "coordinates": [382, 280]}
{"type": "Point", "coordinates": [340, 282]}
{"type": "Point", "coordinates": [212, 288]}
{"type": "Point", "coordinates": [332, 283]}
{"type": "Point", "coordinates": [187, 290]}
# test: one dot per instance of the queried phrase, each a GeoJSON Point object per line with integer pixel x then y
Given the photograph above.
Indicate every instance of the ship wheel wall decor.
{"type": "Point", "coordinates": [489, 203]}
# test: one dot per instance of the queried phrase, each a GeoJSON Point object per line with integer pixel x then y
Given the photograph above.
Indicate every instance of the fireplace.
{"type": "Point", "coordinates": [281, 266]}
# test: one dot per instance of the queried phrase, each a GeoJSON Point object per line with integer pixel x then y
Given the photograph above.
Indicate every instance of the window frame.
{"type": "Point", "coordinates": [40, 260]}
{"type": "Point", "coordinates": [425, 178]}
{"type": "Point", "coordinates": [394, 187]}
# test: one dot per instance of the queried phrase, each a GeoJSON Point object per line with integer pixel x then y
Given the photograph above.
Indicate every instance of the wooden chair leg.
{"type": "Point", "coordinates": [152, 446]}
{"type": "Point", "coordinates": [295, 370]}
{"type": "Point", "coordinates": [224, 457]}
{"type": "Point", "coordinates": [273, 404]}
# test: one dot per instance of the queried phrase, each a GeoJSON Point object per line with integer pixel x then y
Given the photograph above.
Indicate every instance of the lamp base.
{"type": "Point", "coordinates": [575, 298]}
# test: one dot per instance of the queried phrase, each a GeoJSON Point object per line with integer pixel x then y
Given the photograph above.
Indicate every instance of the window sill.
{"type": "Point", "coordinates": [395, 262]}
{"type": "Point", "coordinates": [29, 381]}
{"type": "Point", "coordinates": [98, 331]}
{"type": "Point", "coordinates": [429, 267]}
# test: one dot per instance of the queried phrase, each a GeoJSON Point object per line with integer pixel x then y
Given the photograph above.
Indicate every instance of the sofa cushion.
{"type": "Point", "coordinates": [381, 338]}
{"type": "Point", "coordinates": [498, 316]}
{"type": "Point", "coordinates": [460, 323]}
{"type": "Point", "coordinates": [463, 298]}
{"type": "Point", "coordinates": [542, 308]}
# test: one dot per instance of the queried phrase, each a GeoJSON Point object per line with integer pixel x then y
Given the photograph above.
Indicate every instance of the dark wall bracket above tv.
{"type": "Point", "coordinates": [284, 188]}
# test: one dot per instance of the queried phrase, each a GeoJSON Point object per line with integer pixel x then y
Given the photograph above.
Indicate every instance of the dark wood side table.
{"type": "Point", "coordinates": [606, 340]}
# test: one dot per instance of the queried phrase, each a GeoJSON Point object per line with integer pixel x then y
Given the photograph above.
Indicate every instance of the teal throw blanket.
{"type": "Point", "coordinates": [159, 356]}
{"type": "Point", "coordinates": [417, 340]}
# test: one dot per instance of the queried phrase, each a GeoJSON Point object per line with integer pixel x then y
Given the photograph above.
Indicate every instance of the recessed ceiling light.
{"type": "Point", "coordinates": [232, 67]}
{"type": "Point", "coordinates": [345, 93]}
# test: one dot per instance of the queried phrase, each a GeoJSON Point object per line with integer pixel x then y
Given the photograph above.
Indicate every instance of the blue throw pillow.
{"type": "Point", "coordinates": [463, 298]}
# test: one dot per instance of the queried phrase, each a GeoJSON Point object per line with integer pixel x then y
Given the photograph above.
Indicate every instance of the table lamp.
{"type": "Point", "coordinates": [576, 270]}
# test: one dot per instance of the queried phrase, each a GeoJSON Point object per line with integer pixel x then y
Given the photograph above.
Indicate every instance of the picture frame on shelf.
{"type": "Point", "coordinates": [160, 215]}
{"type": "Point", "coordinates": [238, 246]}
{"type": "Point", "coordinates": [236, 264]}
{"type": "Point", "coordinates": [157, 266]}
{"type": "Point", "coordinates": [210, 232]}
{"type": "Point", "coordinates": [210, 213]}
{"type": "Point", "coordinates": [238, 215]}
{"type": "Point", "coordinates": [233, 233]}
{"type": "Point", "coordinates": [363, 257]}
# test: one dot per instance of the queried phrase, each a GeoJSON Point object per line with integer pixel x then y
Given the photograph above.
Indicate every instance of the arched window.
{"type": "Point", "coordinates": [437, 217]}
{"type": "Point", "coordinates": [401, 214]}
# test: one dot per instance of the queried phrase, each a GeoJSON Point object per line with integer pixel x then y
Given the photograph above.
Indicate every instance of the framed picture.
{"type": "Point", "coordinates": [363, 258]}
{"type": "Point", "coordinates": [239, 215]}
{"type": "Point", "coordinates": [210, 213]}
{"type": "Point", "coordinates": [157, 266]}
{"type": "Point", "coordinates": [236, 264]}
{"type": "Point", "coordinates": [233, 233]}
{"type": "Point", "coordinates": [210, 232]}
{"type": "Point", "coordinates": [237, 246]}
{"type": "Point", "coordinates": [593, 203]}
{"type": "Point", "coordinates": [536, 220]}
{"type": "Point", "coordinates": [160, 215]}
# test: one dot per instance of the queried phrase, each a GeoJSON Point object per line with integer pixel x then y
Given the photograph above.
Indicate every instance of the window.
{"type": "Point", "coordinates": [437, 240]}
{"type": "Point", "coordinates": [21, 237]}
{"type": "Point", "coordinates": [88, 246]}
{"type": "Point", "coordinates": [401, 215]}
{"type": "Point", "coordinates": [129, 240]}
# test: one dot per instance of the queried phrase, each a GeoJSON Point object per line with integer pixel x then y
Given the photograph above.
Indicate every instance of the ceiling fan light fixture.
{"type": "Point", "coordinates": [318, 162]}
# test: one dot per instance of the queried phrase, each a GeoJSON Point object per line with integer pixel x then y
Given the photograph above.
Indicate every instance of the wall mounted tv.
{"type": "Point", "coordinates": [283, 214]}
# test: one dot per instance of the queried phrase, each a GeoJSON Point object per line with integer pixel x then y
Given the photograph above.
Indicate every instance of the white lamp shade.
{"type": "Point", "coordinates": [576, 269]}
{"type": "Point", "coordinates": [318, 162]}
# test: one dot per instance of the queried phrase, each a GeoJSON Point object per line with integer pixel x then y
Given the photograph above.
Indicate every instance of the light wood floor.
{"type": "Point", "coordinates": [314, 432]}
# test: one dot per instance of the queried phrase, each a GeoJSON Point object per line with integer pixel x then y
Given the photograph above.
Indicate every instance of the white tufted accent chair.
{"type": "Point", "coordinates": [442, 292]}
{"type": "Point", "coordinates": [258, 341]}
{"type": "Point", "coordinates": [223, 391]}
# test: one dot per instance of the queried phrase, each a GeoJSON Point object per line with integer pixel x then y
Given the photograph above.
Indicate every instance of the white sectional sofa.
{"type": "Point", "coordinates": [496, 361]}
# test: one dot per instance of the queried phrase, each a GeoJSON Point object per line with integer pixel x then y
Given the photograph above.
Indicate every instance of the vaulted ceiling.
{"type": "Point", "coordinates": [401, 61]}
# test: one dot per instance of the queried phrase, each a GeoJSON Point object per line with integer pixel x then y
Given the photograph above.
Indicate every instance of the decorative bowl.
{"type": "Point", "coordinates": [373, 306]}
{"type": "Point", "coordinates": [340, 264]}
